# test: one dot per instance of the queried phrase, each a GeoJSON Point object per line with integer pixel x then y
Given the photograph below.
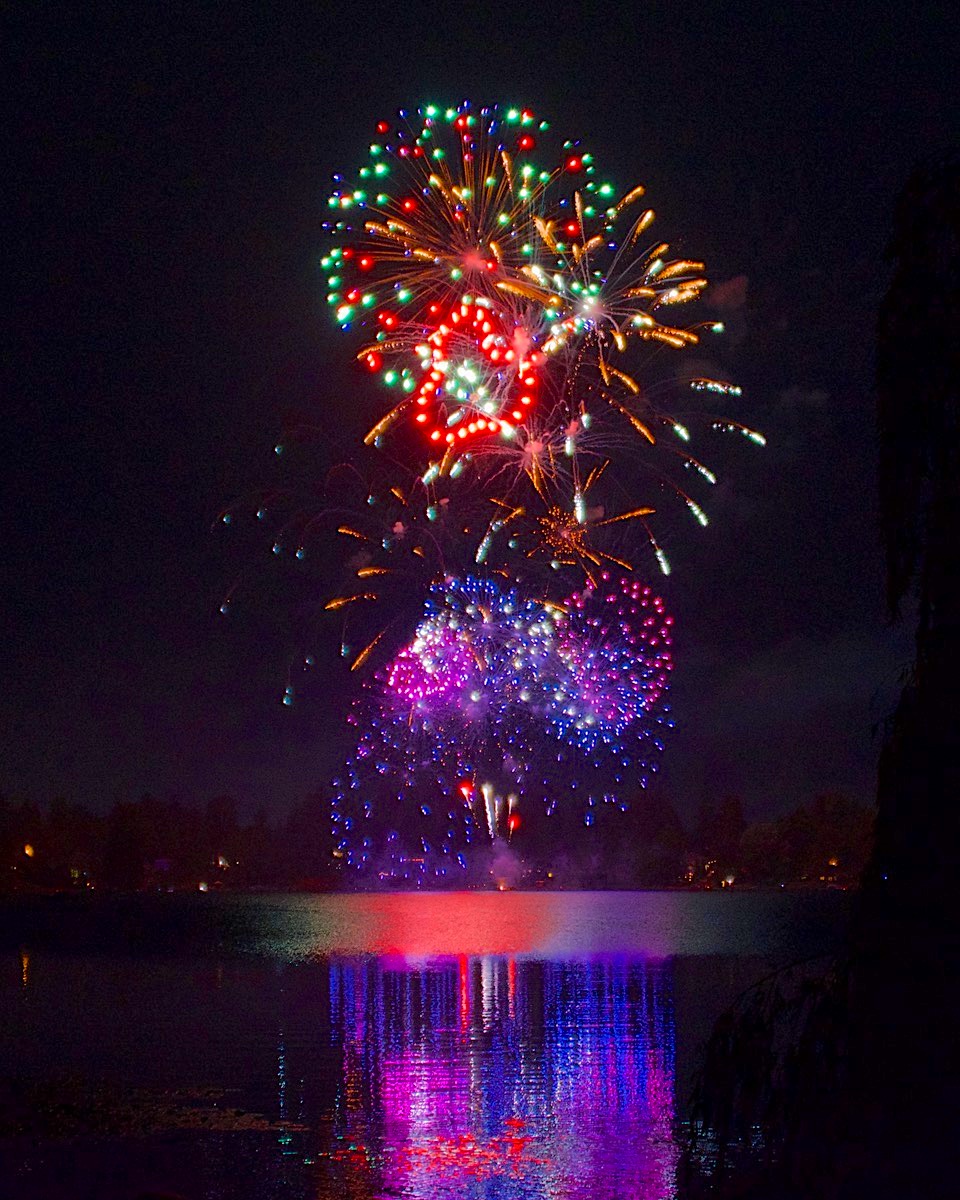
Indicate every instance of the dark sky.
{"type": "Point", "coordinates": [167, 169]}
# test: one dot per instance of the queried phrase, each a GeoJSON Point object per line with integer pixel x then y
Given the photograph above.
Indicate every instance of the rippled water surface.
{"type": "Point", "coordinates": [463, 1045]}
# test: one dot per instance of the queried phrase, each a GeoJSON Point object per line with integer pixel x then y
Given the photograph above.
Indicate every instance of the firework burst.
{"type": "Point", "coordinates": [508, 298]}
{"type": "Point", "coordinates": [479, 218]}
{"type": "Point", "coordinates": [497, 702]}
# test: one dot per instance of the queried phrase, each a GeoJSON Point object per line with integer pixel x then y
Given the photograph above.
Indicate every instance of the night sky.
{"type": "Point", "coordinates": [167, 169]}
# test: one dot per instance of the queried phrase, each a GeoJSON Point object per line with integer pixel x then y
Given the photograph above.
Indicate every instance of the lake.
{"type": "Point", "coordinates": [497, 1046]}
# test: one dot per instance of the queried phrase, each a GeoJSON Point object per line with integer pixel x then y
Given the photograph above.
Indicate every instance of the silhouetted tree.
{"type": "Point", "coordinates": [259, 853]}
{"type": "Point", "coordinates": [125, 851]}
{"type": "Point", "coordinates": [918, 388]}
{"type": "Point", "coordinates": [763, 854]}
{"type": "Point", "coordinates": [660, 841]}
{"type": "Point", "coordinates": [718, 832]}
{"type": "Point", "coordinates": [842, 1085]}
{"type": "Point", "coordinates": [307, 841]}
{"type": "Point", "coordinates": [221, 828]}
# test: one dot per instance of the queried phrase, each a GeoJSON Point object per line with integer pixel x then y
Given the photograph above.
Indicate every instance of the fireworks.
{"type": "Point", "coordinates": [497, 701]}
{"type": "Point", "coordinates": [451, 717]}
{"type": "Point", "coordinates": [479, 376]}
{"type": "Point", "coordinates": [503, 287]}
{"type": "Point", "coordinates": [486, 262]}
{"type": "Point", "coordinates": [617, 647]}
{"type": "Point", "coordinates": [506, 296]}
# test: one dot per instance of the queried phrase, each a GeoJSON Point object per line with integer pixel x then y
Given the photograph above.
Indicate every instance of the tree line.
{"type": "Point", "coordinates": [158, 844]}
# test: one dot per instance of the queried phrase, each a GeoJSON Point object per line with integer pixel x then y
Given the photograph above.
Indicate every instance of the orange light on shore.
{"type": "Point", "coordinates": [29, 850]}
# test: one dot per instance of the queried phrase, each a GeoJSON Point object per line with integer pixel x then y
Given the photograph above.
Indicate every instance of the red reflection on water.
{"type": "Point", "coordinates": [455, 923]}
{"type": "Point", "coordinates": [495, 1158]}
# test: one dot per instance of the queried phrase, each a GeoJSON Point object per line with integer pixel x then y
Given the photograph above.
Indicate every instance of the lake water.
{"type": "Point", "coordinates": [473, 1045]}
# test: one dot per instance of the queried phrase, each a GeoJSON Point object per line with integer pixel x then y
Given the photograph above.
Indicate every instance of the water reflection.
{"type": "Point", "coordinates": [488, 1077]}
{"type": "Point", "coordinates": [485, 1046]}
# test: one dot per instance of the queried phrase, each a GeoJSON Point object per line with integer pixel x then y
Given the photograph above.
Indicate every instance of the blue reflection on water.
{"type": "Point", "coordinates": [488, 1077]}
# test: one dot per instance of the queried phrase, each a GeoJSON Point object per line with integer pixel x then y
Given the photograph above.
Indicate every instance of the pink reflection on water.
{"type": "Point", "coordinates": [488, 1077]}
{"type": "Point", "coordinates": [419, 926]}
